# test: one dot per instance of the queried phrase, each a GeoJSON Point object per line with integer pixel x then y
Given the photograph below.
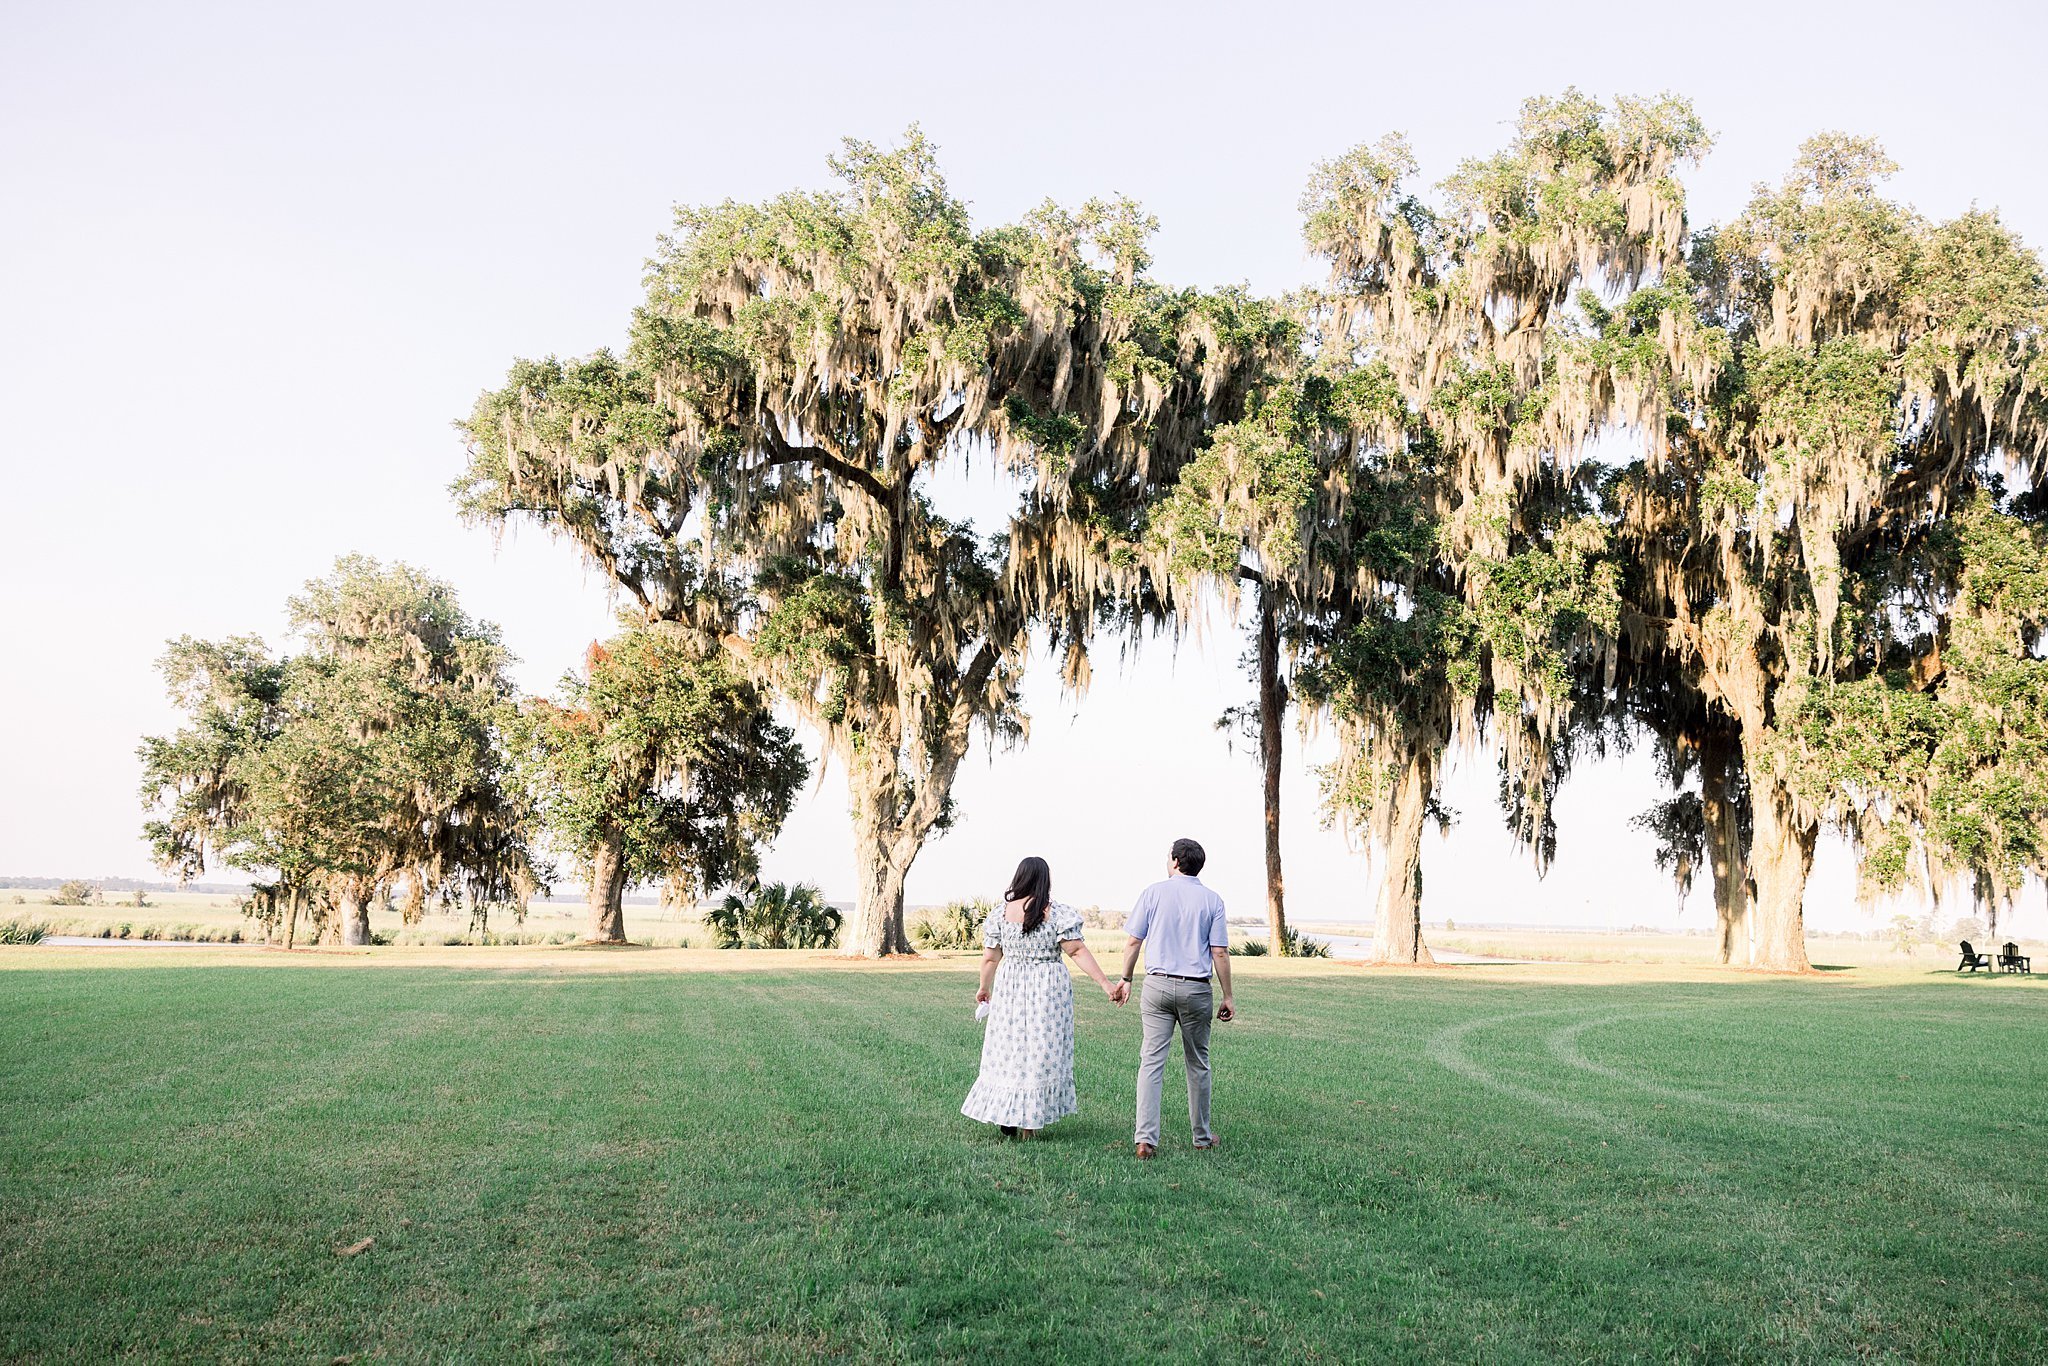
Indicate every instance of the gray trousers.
{"type": "Point", "coordinates": [1167, 1002]}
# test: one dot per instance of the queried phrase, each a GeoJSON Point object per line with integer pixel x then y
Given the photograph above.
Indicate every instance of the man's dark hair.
{"type": "Point", "coordinates": [1188, 857]}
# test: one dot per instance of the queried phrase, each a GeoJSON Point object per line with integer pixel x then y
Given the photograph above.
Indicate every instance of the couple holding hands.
{"type": "Point", "coordinates": [1027, 1058]}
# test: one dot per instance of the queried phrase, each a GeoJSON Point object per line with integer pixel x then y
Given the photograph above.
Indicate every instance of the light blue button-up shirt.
{"type": "Point", "coordinates": [1180, 920]}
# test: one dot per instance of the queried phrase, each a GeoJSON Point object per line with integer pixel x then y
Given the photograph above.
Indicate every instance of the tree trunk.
{"type": "Point", "coordinates": [1397, 918]}
{"type": "Point", "coordinates": [1720, 774]}
{"type": "Point", "coordinates": [884, 847]}
{"type": "Point", "coordinates": [876, 927]}
{"type": "Point", "coordinates": [1781, 853]}
{"type": "Point", "coordinates": [291, 920]}
{"type": "Point", "coordinates": [607, 901]}
{"type": "Point", "coordinates": [352, 906]}
{"type": "Point", "coordinates": [1272, 709]}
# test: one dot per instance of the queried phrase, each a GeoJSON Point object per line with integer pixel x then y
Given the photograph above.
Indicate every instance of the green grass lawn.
{"type": "Point", "coordinates": [770, 1165]}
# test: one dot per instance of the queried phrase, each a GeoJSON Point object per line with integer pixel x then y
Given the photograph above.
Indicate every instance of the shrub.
{"type": "Point", "coordinates": [1302, 947]}
{"type": "Point", "coordinates": [958, 926]}
{"type": "Point", "coordinates": [22, 931]}
{"type": "Point", "coordinates": [77, 892]}
{"type": "Point", "coordinates": [779, 915]}
{"type": "Point", "coordinates": [1098, 919]}
{"type": "Point", "coordinates": [1297, 946]}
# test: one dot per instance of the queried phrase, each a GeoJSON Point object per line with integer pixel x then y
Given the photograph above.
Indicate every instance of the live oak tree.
{"type": "Point", "coordinates": [756, 466]}
{"type": "Point", "coordinates": [1824, 384]}
{"type": "Point", "coordinates": [367, 763]}
{"type": "Point", "coordinates": [1938, 764]}
{"type": "Point", "coordinates": [259, 780]}
{"type": "Point", "coordinates": [1455, 574]}
{"type": "Point", "coordinates": [1235, 516]}
{"type": "Point", "coordinates": [657, 763]}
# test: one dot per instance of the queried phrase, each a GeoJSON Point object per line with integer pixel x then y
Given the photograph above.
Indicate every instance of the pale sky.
{"type": "Point", "coordinates": [254, 259]}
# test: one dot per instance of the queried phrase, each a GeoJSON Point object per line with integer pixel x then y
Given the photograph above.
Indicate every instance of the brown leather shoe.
{"type": "Point", "coordinates": [1145, 1151]}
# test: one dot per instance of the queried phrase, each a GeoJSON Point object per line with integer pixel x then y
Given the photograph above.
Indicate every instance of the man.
{"type": "Point", "coordinates": [1178, 925]}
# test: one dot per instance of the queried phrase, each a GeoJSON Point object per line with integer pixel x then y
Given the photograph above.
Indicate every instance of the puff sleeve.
{"type": "Point", "coordinates": [1066, 921]}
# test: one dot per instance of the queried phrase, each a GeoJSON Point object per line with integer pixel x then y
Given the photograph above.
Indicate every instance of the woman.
{"type": "Point", "coordinates": [1027, 1059]}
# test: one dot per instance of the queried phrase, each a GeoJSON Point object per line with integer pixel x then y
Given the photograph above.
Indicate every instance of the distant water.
{"type": "Point", "coordinates": [1358, 947]}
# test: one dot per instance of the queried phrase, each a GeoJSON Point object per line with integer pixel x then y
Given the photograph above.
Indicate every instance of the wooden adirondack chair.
{"type": "Point", "coordinates": [2012, 960]}
{"type": "Point", "coordinates": [1972, 960]}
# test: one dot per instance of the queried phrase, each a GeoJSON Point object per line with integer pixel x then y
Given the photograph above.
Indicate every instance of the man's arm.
{"type": "Point", "coordinates": [1136, 926]}
{"type": "Point", "coordinates": [1132, 948]}
{"type": "Point", "coordinates": [1219, 954]}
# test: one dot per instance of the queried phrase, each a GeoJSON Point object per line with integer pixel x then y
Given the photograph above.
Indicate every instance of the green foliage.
{"type": "Point", "coordinates": [76, 892]}
{"type": "Point", "coordinates": [1296, 946]}
{"type": "Point", "coordinates": [1052, 434]}
{"type": "Point", "coordinates": [1952, 781]}
{"type": "Point", "coordinates": [1541, 610]}
{"type": "Point", "coordinates": [1249, 491]}
{"type": "Point", "coordinates": [957, 926]}
{"type": "Point", "coordinates": [662, 754]}
{"type": "Point", "coordinates": [23, 931]}
{"type": "Point", "coordinates": [775, 915]}
{"type": "Point", "coordinates": [368, 760]}
{"type": "Point", "coordinates": [1679, 826]}
{"type": "Point", "coordinates": [1835, 401]}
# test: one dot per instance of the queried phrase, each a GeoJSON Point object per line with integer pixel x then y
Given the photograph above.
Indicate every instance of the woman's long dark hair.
{"type": "Point", "coordinates": [1032, 885]}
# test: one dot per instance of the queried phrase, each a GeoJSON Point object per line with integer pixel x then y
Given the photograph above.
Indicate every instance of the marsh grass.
{"type": "Point", "coordinates": [770, 1165]}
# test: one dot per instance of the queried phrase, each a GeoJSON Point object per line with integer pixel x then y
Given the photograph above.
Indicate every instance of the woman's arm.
{"type": "Point", "coordinates": [1077, 949]}
{"type": "Point", "coordinates": [988, 973]}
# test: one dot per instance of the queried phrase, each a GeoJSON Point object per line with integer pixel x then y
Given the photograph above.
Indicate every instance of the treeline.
{"type": "Point", "coordinates": [123, 884]}
{"type": "Point", "coordinates": [392, 759]}
{"type": "Point", "coordinates": [1813, 582]}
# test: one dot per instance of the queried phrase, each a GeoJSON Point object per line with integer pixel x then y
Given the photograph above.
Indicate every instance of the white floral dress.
{"type": "Point", "coordinates": [1027, 1057]}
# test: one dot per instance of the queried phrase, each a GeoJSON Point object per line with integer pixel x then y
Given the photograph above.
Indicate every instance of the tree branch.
{"type": "Point", "coordinates": [782, 453]}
